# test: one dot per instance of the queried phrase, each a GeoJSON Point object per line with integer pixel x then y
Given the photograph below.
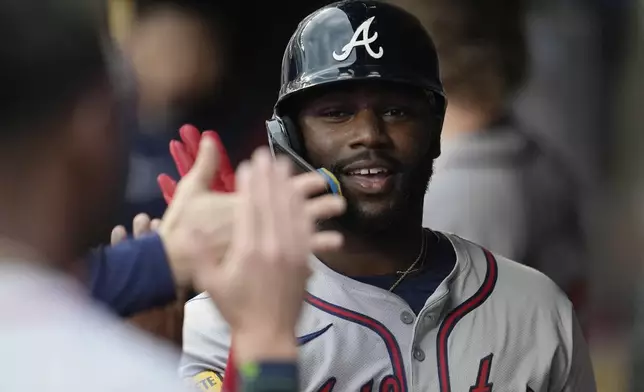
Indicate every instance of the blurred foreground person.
{"type": "Point", "coordinates": [495, 183]}
{"type": "Point", "coordinates": [62, 164]}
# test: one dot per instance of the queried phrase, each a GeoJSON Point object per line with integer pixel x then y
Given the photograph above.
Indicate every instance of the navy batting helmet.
{"type": "Point", "coordinates": [354, 40]}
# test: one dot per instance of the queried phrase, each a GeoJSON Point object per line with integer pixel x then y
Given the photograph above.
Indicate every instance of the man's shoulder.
{"type": "Point", "coordinates": [201, 315]}
{"type": "Point", "coordinates": [510, 281]}
{"type": "Point", "coordinates": [531, 283]}
{"type": "Point", "coordinates": [206, 338]}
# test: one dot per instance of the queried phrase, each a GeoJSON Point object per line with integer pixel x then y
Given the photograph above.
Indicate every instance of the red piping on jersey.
{"type": "Point", "coordinates": [390, 341]}
{"type": "Point", "coordinates": [230, 376]}
{"type": "Point", "coordinates": [457, 314]}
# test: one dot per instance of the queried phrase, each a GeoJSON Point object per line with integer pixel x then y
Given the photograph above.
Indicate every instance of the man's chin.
{"type": "Point", "coordinates": [371, 220]}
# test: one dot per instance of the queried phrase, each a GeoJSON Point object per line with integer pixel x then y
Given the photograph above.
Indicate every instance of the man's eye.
{"type": "Point", "coordinates": [336, 113]}
{"type": "Point", "coordinates": [395, 113]}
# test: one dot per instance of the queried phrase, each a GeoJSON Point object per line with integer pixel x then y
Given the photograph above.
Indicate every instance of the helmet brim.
{"type": "Point", "coordinates": [322, 81]}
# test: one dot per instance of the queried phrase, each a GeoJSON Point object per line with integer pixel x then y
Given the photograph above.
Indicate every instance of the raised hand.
{"type": "Point", "coordinates": [141, 224]}
{"type": "Point", "coordinates": [200, 221]}
{"type": "Point", "coordinates": [184, 153]}
{"type": "Point", "coordinates": [259, 285]}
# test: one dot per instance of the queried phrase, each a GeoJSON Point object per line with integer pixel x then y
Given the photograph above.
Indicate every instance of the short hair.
{"type": "Point", "coordinates": [49, 51]}
{"type": "Point", "coordinates": [481, 45]}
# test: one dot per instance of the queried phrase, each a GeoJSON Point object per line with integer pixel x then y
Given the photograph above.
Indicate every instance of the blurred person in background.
{"type": "Point", "coordinates": [627, 219]}
{"type": "Point", "coordinates": [63, 164]}
{"type": "Point", "coordinates": [174, 53]}
{"type": "Point", "coordinates": [495, 182]}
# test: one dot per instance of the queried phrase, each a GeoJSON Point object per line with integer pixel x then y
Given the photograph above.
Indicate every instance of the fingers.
{"type": "Point", "coordinates": [168, 187]}
{"type": "Point", "coordinates": [140, 225]}
{"type": "Point", "coordinates": [118, 235]}
{"type": "Point", "coordinates": [310, 184]}
{"type": "Point", "coordinates": [265, 200]}
{"type": "Point", "coordinates": [325, 207]}
{"type": "Point", "coordinates": [244, 226]}
{"type": "Point", "coordinates": [217, 183]}
{"type": "Point", "coordinates": [274, 215]}
{"type": "Point", "coordinates": [229, 182]}
{"type": "Point", "coordinates": [224, 161]}
{"type": "Point", "coordinates": [155, 224]}
{"type": "Point", "coordinates": [291, 222]}
{"type": "Point", "coordinates": [326, 241]}
{"type": "Point", "coordinates": [191, 138]}
{"type": "Point", "coordinates": [184, 153]}
{"type": "Point", "coordinates": [205, 166]}
{"type": "Point", "coordinates": [322, 207]}
{"type": "Point", "coordinates": [182, 159]}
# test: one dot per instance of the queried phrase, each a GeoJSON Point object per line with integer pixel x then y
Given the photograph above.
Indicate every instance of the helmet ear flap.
{"type": "Point", "coordinates": [294, 137]}
{"type": "Point", "coordinates": [282, 130]}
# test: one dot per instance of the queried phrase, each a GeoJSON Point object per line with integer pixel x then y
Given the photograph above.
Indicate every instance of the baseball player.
{"type": "Point", "coordinates": [399, 307]}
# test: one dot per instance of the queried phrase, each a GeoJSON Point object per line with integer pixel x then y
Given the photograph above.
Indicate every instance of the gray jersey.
{"type": "Point", "coordinates": [53, 339]}
{"type": "Point", "coordinates": [492, 324]}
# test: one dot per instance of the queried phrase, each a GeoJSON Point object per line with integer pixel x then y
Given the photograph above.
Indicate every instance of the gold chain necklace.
{"type": "Point", "coordinates": [421, 256]}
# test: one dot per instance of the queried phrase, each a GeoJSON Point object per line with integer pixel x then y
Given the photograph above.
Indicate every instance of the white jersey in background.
{"type": "Point", "coordinates": [492, 325]}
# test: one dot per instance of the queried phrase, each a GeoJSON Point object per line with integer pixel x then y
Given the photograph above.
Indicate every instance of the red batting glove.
{"type": "Point", "coordinates": [184, 153]}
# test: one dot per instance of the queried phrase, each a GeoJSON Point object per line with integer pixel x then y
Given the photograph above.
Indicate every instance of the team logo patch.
{"type": "Point", "coordinates": [208, 381]}
{"type": "Point", "coordinates": [366, 40]}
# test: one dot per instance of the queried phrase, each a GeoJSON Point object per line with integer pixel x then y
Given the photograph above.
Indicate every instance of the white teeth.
{"type": "Point", "coordinates": [364, 172]}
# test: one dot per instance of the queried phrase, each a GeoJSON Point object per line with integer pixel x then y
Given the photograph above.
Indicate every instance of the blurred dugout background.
{"type": "Point", "coordinates": [216, 64]}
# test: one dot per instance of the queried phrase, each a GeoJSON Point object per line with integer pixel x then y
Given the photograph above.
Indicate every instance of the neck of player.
{"type": "Point", "coordinates": [377, 253]}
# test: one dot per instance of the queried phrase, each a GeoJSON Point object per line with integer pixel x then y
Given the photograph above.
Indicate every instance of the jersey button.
{"type": "Point", "coordinates": [419, 354]}
{"type": "Point", "coordinates": [406, 317]}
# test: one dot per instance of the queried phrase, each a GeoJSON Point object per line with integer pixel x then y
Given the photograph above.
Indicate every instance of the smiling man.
{"type": "Point", "coordinates": [399, 307]}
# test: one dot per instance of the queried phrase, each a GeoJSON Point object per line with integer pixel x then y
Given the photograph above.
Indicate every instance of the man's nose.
{"type": "Point", "coordinates": [368, 131]}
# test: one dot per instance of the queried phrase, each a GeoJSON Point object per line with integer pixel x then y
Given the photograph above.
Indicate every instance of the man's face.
{"type": "Point", "coordinates": [376, 140]}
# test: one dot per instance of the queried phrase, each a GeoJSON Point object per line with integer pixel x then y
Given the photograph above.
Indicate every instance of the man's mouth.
{"type": "Point", "coordinates": [369, 177]}
{"type": "Point", "coordinates": [366, 172]}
